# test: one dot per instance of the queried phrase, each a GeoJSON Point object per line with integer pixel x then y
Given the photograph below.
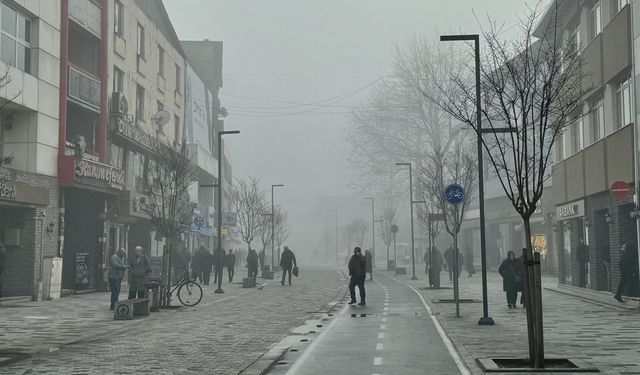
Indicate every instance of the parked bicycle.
{"type": "Point", "coordinates": [189, 291]}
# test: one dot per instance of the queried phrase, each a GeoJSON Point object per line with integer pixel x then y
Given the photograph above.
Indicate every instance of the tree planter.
{"type": "Point", "coordinates": [521, 365]}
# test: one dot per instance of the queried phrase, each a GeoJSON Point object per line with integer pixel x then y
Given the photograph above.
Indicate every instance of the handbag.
{"type": "Point", "coordinates": [295, 271]}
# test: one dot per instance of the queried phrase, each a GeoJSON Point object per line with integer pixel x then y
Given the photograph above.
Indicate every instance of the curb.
{"type": "Point", "coordinates": [587, 298]}
{"type": "Point", "coordinates": [265, 362]}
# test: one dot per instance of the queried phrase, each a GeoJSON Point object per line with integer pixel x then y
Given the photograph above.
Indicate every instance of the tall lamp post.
{"type": "Point", "coordinates": [486, 319]}
{"type": "Point", "coordinates": [219, 248]}
{"type": "Point", "coordinates": [273, 228]}
{"type": "Point", "coordinates": [336, 212]}
{"type": "Point", "coordinates": [413, 250]}
{"type": "Point", "coordinates": [373, 231]}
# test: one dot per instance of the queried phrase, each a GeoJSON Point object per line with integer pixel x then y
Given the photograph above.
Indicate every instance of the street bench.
{"type": "Point", "coordinates": [401, 270]}
{"type": "Point", "coordinates": [128, 308]}
{"type": "Point", "coordinates": [249, 282]}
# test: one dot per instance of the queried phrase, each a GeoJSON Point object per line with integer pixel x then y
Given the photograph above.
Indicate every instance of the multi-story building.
{"type": "Point", "coordinates": [29, 117]}
{"type": "Point", "coordinates": [596, 148]}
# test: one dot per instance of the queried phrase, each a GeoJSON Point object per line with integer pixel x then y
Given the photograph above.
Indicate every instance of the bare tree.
{"type": "Point", "coordinates": [281, 226]}
{"type": "Point", "coordinates": [248, 201]}
{"type": "Point", "coordinates": [387, 219]}
{"type": "Point", "coordinates": [171, 173]}
{"type": "Point", "coordinates": [265, 228]}
{"type": "Point", "coordinates": [532, 86]}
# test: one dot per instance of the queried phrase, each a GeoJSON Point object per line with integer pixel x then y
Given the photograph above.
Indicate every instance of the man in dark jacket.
{"type": "Point", "coordinates": [219, 258]}
{"type": "Point", "coordinates": [582, 256]}
{"type": "Point", "coordinates": [433, 271]}
{"type": "Point", "coordinates": [628, 268]}
{"type": "Point", "coordinates": [202, 265]}
{"type": "Point", "coordinates": [231, 264]}
{"type": "Point", "coordinates": [450, 257]}
{"type": "Point", "coordinates": [358, 273]}
{"type": "Point", "coordinates": [287, 262]}
{"type": "Point", "coordinates": [369, 258]}
{"type": "Point", "coordinates": [252, 263]}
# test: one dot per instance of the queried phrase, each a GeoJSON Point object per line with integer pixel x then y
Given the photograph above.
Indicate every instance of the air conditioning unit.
{"type": "Point", "coordinates": [119, 103]}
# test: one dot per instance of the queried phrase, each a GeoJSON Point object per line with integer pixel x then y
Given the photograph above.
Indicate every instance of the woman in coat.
{"type": "Point", "coordinates": [139, 270]}
{"type": "Point", "coordinates": [511, 272]}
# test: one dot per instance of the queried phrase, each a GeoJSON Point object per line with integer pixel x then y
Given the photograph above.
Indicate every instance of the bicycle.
{"type": "Point", "coordinates": [189, 292]}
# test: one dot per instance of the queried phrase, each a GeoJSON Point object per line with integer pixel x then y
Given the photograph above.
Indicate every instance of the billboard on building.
{"type": "Point", "coordinates": [196, 111]}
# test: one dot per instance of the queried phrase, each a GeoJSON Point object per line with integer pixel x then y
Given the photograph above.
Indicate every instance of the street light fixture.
{"type": "Point", "coordinates": [219, 265]}
{"type": "Point", "coordinates": [273, 227]}
{"type": "Point", "coordinates": [373, 232]}
{"type": "Point", "coordinates": [413, 251]}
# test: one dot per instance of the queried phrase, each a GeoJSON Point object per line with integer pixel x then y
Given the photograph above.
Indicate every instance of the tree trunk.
{"type": "Point", "coordinates": [538, 312]}
{"type": "Point", "coordinates": [526, 295]}
{"type": "Point", "coordinates": [534, 311]}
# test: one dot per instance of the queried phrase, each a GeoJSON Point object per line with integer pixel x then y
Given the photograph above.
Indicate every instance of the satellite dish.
{"type": "Point", "coordinates": [161, 118]}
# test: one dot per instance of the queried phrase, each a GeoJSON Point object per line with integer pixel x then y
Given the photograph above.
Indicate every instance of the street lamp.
{"type": "Point", "coordinates": [413, 251]}
{"type": "Point", "coordinates": [336, 212]}
{"type": "Point", "coordinates": [219, 265]}
{"type": "Point", "coordinates": [373, 232]}
{"type": "Point", "coordinates": [273, 227]}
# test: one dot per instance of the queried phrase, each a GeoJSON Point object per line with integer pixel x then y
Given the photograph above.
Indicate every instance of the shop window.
{"type": "Point", "coordinates": [15, 38]}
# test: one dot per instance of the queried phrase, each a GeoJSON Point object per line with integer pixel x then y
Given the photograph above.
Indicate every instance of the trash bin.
{"type": "Point", "coordinates": [153, 290]}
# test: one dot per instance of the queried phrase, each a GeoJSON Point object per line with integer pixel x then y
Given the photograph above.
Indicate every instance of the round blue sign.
{"type": "Point", "coordinates": [454, 194]}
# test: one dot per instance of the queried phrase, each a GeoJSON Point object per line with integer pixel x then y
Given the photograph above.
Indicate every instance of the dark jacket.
{"type": "Point", "coordinates": [230, 261]}
{"type": "Point", "coordinates": [450, 257]}
{"type": "Point", "coordinates": [437, 260]}
{"type": "Point", "coordinates": [287, 259]}
{"type": "Point", "coordinates": [202, 260]}
{"type": "Point", "coordinates": [261, 258]}
{"type": "Point", "coordinates": [139, 270]}
{"type": "Point", "coordinates": [369, 258]}
{"type": "Point", "coordinates": [511, 272]}
{"type": "Point", "coordinates": [252, 260]}
{"type": "Point", "coordinates": [358, 266]}
{"type": "Point", "coordinates": [582, 253]}
{"type": "Point", "coordinates": [629, 258]}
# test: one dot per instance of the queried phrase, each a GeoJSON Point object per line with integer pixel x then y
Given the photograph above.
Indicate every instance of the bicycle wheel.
{"type": "Point", "coordinates": [190, 293]}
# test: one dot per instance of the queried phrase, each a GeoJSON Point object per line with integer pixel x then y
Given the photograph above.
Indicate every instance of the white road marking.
{"type": "Point", "coordinates": [383, 326]}
{"type": "Point", "coordinates": [385, 313]}
{"type": "Point", "coordinates": [380, 346]}
{"type": "Point", "coordinates": [377, 361]}
{"type": "Point", "coordinates": [380, 335]}
{"type": "Point", "coordinates": [386, 309]}
{"type": "Point", "coordinates": [384, 320]}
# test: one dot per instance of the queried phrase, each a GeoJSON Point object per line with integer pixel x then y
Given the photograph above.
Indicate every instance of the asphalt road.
{"type": "Point", "coordinates": [397, 336]}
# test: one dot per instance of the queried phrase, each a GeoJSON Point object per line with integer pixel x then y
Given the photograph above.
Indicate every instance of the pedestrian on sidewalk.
{"type": "Point", "coordinates": [628, 268]}
{"type": "Point", "coordinates": [433, 270]}
{"type": "Point", "coordinates": [139, 270]}
{"type": "Point", "coordinates": [511, 272]}
{"type": "Point", "coordinates": [252, 263]}
{"type": "Point", "coordinates": [218, 262]}
{"type": "Point", "coordinates": [180, 262]}
{"type": "Point", "coordinates": [261, 262]}
{"type": "Point", "coordinates": [287, 262]}
{"type": "Point", "coordinates": [117, 267]}
{"type": "Point", "coordinates": [231, 264]}
{"type": "Point", "coordinates": [450, 257]}
{"type": "Point", "coordinates": [582, 256]}
{"type": "Point", "coordinates": [369, 258]}
{"type": "Point", "coordinates": [358, 273]}
{"type": "Point", "coordinates": [468, 262]}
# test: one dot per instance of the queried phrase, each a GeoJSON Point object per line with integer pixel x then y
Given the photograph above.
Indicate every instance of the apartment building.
{"type": "Point", "coordinates": [596, 148]}
{"type": "Point", "coordinates": [29, 117]}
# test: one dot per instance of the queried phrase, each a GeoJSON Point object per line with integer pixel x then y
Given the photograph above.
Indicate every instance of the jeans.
{"type": "Point", "coordinates": [359, 282]}
{"type": "Point", "coordinates": [512, 296]}
{"type": "Point", "coordinates": [284, 273]}
{"type": "Point", "coordinates": [133, 293]}
{"type": "Point", "coordinates": [114, 286]}
{"type": "Point", "coordinates": [231, 271]}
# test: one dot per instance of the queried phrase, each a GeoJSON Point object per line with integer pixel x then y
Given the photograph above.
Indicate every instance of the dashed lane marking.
{"type": "Point", "coordinates": [380, 346]}
{"type": "Point", "coordinates": [382, 326]}
{"type": "Point", "coordinates": [380, 336]}
{"type": "Point", "coordinates": [377, 361]}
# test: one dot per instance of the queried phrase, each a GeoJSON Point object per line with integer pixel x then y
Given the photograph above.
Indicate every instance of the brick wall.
{"type": "Point", "coordinates": [22, 271]}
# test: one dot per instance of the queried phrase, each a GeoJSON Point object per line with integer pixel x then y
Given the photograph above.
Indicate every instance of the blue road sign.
{"type": "Point", "coordinates": [454, 194]}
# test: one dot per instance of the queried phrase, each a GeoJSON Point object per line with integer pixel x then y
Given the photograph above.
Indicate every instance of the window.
{"type": "Point", "coordinates": [623, 104]}
{"type": "Point", "coordinates": [139, 104]}
{"type": "Point", "coordinates": [596, 121]}
{"type": "Point", "coordinates": [160, 61]}
{"type": "Point", "coordinates": [595, 20]}
{"type": "Point", "coordinates": [15, 39]}
{"type": "Point", "coordinates": [116, 155]}
{"type": "Point", "coordinates": [577, 136]}
{"type": "Point", "coordinates": [574, 39]}
{"type": "Point", "coordinates": [619, 4]}
{"type": "Point", "coordinates": [118, 79]}
{"type": "Point", "coordinates": [159, 105]}
{"type": "Point", "coordinates": [176, 129]}
{"type": "Point", "coordinates": [118, 18]}
{"type": "Point", "coordinates": [178, 78]}
{"type": "Point", "coordinates": [141, 45]}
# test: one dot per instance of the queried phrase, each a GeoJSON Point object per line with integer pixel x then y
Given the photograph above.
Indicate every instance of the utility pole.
{"type": "Point", "coordinates": [373, 232]}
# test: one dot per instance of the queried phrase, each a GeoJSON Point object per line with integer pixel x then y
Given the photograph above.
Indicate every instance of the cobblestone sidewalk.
{"type": "Point", "coordinates": [222, 335]}
{"type": "Point", "coordinates": [603, 335]}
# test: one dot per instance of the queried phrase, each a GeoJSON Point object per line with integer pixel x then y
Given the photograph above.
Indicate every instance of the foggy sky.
{"type": "Point", "coordinates": [306, 51]}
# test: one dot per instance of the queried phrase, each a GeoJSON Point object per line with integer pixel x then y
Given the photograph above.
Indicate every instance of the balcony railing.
{"type": "Point", "coordinates": [84, 88]}
{"type": "Point", "coordinates": [86, 14]}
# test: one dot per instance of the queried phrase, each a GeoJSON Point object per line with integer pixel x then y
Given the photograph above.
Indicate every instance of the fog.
{"type": "Point", "coordinates": [281, 52]}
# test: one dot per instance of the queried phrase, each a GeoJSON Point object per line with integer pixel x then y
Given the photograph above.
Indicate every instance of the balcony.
{"type": "Point", "coordinates": [87, 15]}
{"type": "Point", "coordinates": [84, 89]}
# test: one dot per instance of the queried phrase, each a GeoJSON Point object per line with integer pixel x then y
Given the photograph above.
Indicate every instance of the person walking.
{"type": "Point", "coordinates": [468, 262]}
{"type": "Point", "coordinates": [252, 263]}
{"type": "Point", "coordinates": [358, 273]}
{"type": "Point", "coordinates": [139, 270]}
{"type": "Point", "coordinates": [433, 271]}
{"type": "Point", "coordinates": [287, 262]}
{"type": "Point", "coordinates": [200, 259]}
{"type": "Point", "coordinates": [511, 272]}
{"type": "Point", "coordinates": [117, 267]}
{"type": "Point", "coordinates": [369, 258]}
{"type": "Point", "coordinates": [450, 257]}
{"type": "Point", "coordinates": [582, 256]}
{"type": "Point", "coordinates": [230, 261]}
{"type": "Point", "coordinates": [628, 268]}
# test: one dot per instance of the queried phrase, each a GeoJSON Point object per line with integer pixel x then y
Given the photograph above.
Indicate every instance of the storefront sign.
{"type": "Point", "coordinates": [23, 193]}
{"type": "Point", "coordinates": [135, 135]}
{"type": "Point", "coordinates": [111, 176]}
{"type": "Point", "coordinates": [7, 191]}
{"type": "Point", "coordinates": [620, 190]}
{"type": "Point", "coordinates": [570, 211]}
{"type": "Point", "coordinates": [82, 271]}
